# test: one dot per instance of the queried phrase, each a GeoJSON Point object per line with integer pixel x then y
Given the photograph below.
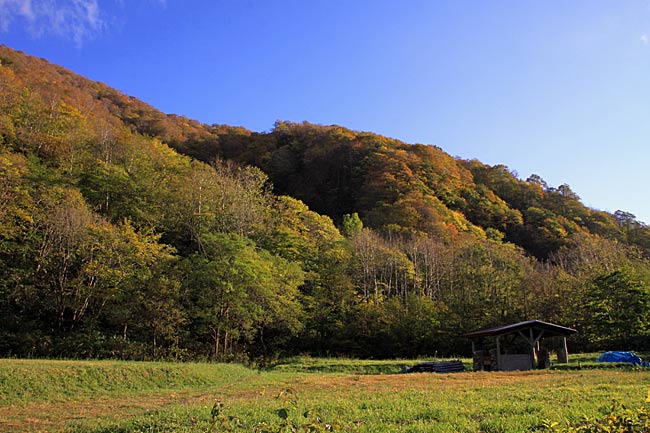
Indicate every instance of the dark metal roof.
{"type": "Point", "coordinates": [550, 329]}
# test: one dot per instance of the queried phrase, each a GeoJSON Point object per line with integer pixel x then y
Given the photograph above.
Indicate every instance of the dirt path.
{"type": "Point", "coordinates": [52, 417]}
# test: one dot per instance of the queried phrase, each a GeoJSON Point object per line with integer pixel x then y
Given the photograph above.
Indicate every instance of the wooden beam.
{"type": "Point", "coordinates": [523, 335]}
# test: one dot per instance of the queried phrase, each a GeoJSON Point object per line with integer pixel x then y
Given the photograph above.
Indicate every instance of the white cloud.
{"type": "Point", "coordinates": [646, 39]}
{"type": "Point", "coordinates": [78, 20]}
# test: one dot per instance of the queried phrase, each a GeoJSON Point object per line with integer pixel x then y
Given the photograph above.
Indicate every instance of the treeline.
{"type": "Point", "coordinates": [304, 239]}
{"type": "Point", "coordinates": [414, 189]}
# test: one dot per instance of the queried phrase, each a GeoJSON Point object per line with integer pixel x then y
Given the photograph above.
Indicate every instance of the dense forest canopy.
{"type": "Point", "coordinates": [126, 232]}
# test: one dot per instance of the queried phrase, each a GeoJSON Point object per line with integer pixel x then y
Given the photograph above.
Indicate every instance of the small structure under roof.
{"type": "Point", "coordinates": [507, 355]}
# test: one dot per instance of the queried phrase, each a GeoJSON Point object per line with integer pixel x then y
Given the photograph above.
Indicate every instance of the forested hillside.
{"type": "Point", "coordinates": [125, 232]}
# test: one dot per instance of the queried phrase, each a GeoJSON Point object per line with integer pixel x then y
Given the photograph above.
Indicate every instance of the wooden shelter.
{"type": "Point", "coordinates": [515, 353]}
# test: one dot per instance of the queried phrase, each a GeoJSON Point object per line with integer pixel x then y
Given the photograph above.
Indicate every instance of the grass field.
{"type": "Point", "coordinates": [112, 396]}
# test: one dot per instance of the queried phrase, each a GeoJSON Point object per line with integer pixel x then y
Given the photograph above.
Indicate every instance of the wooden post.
{"type": "Point", "coordinates": [532, 350]}
{"type": "Point", "coordinates": [563, 354]}
{"type": "Point", "coordinates": [498, 366]}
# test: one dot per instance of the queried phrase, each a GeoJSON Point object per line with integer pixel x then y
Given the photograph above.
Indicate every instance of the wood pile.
{"type": "Point", "coordinates": [437, 367]}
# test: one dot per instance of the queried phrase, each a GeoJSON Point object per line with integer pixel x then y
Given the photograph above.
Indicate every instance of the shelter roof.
{"type": "Point", "coordinates": [550, 329]}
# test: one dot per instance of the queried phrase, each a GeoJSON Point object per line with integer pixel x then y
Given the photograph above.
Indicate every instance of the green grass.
{"type": "Point", "coordinates": [110, 396]}
{"type": "Point", "coordinates": [24, 381]}
{"type": "Point", "coordinates": [590, 361]}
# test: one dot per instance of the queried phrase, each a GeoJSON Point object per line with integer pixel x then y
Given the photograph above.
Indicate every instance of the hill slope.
{"type": "Point", "coordinates": [415, 188]}
{"type": "Point", "coordinates": [337, 171]}
{"type": "Point", "coordinates": [115, 243]}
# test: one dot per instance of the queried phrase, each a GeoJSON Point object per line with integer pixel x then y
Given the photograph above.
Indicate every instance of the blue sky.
{"type": "Point", "coordinates": [557, 88]}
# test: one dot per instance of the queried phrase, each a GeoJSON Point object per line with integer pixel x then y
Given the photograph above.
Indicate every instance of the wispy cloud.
{"type": "Point", "coordinates": [646, 39]}
{"type": "Point", "coordinates": [77, 20]}
{"type": "Point", "coordinates": [12, 8]}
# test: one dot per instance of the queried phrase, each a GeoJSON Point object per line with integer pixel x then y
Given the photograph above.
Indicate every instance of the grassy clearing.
{"type": "Point", "coordinates": [160, 397]}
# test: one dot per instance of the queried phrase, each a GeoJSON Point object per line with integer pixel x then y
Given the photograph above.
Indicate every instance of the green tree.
{"type": "Point", "coordinates": [615, 311]}
{"type": "Point", "coordinates": [236, 293]}
{"type": "Point", "coordinates": [146, 306]}
{"type": "Point", "coordinates": [351, 224]}
{"type": "Point", "coordinates": [302, 236]}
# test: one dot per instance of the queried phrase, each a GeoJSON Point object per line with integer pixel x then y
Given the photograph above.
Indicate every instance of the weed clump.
{"type": "Point", "coordinates": [290, 418]}
{"type": "Point", "coordinates": [619, 419]}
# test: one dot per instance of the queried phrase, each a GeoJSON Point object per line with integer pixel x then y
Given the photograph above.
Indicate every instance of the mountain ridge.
{"type": "Point", "coordinates": [269, 151]}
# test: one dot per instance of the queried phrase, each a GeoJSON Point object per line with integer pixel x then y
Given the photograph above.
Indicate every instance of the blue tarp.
{"type": "Point", "coordinates": [630, 357]}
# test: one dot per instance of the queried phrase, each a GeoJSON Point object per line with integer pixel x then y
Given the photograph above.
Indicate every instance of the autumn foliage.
{"type": "Point", "coordinates": [126, 232]}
